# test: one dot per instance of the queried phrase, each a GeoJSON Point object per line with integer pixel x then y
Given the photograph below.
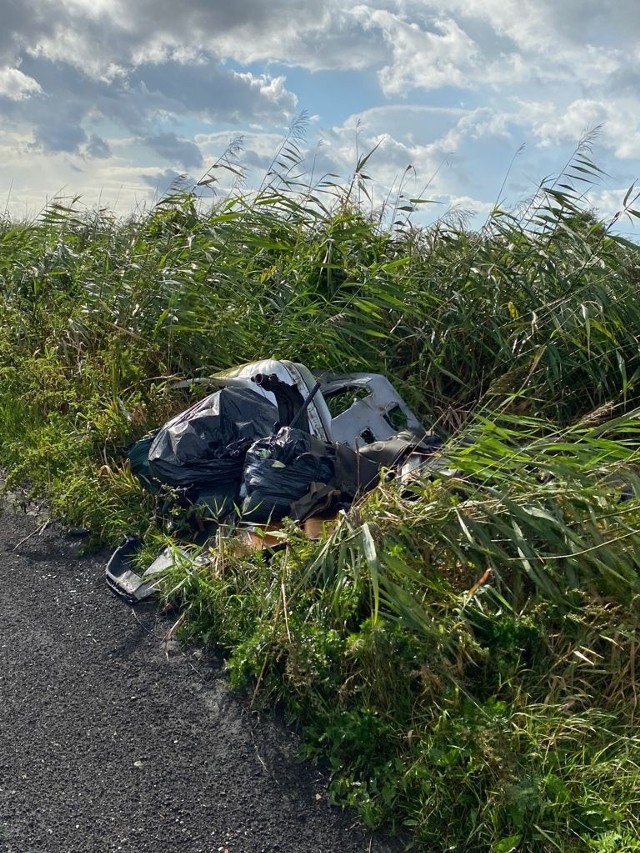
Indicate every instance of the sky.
{"type": "Point", "coordinates": [466, 102]}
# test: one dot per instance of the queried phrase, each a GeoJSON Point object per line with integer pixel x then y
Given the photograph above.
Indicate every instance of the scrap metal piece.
{"type": "Point", "coordinates": [378, 414]}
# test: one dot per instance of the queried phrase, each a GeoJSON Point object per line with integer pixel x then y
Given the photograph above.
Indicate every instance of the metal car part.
{"type": "Point", "coordinates": [369, 418]}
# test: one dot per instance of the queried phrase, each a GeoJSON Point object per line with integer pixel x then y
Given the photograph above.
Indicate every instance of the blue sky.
{"type": "Point", "coordinates": [111, 100]}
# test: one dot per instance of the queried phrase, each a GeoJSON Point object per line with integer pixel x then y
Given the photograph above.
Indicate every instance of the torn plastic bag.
{"type": "Point", "coordinates": [264, 375]}
{"type": "Point", "coordinates": [295, 473]}
{"type": "Point", "coordinates": [207, 443]}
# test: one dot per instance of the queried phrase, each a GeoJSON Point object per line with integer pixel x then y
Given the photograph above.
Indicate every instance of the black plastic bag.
{"type": "Point", "coordinates": [294, 473]}
{"type": "Point", "coordinates": [207, 443]}
{"type": "Point", "coordinates": [138, 456]}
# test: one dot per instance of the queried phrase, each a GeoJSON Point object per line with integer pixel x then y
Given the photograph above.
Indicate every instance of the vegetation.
{"type": "Point", "coordinates": [463, 652]}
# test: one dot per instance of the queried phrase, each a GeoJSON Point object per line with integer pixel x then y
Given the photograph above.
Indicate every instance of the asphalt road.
{"type": "Point", "coordinates": [113, 738]}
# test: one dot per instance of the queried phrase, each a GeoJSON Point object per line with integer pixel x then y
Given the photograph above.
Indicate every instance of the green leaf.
{"type": "Point", "coordinates": [506, 845]}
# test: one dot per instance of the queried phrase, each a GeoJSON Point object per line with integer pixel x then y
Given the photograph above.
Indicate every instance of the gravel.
{"type": "Point", "coordinates": [115, 737]}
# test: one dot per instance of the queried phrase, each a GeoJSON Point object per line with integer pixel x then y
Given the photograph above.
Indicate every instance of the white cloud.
{"type": "Point", "coordinates": [110, 182]}
{"type": "Point", "coordinates": [441, 56]}
{"type": "Point", "coordinates": [467, 207]}
{"type": "Point", "coordinates": [150, 101]}
{"type": "Point", "coordinates": [617, 120]}
{"type": "Point", "coordinates": [426, 154]}
{"type": "Point", "coordinates": [16, 86]}
{"type": "Point", "coordinates": [469, 43]}
{"type": "Point", "coordinates": [552, 124]}
{"type": "Point", "coordinates": [609, 205]}
{"type": "Point", "coordinates": [95, 36]}
{"type": "Point", "coordinates": [474, 78]}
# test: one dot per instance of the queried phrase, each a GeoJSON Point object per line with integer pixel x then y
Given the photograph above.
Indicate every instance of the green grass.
{"type": "Point", "coordinates": [461, 653]}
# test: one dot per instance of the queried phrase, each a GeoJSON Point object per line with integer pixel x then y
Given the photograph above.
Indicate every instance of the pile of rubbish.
{"type": "Point", "coordinates": [264, 446]}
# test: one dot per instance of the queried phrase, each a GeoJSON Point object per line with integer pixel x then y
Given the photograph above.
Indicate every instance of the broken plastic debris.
{"type": "Point", "coordinates": [129, 584]}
